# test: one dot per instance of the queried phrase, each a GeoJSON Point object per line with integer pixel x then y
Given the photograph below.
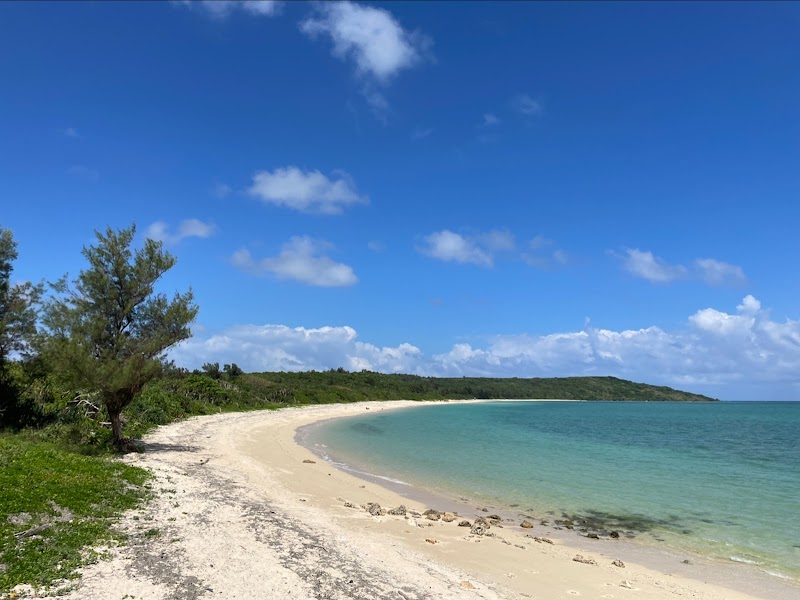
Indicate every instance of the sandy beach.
{"type": "Point", "coordinates": [241, 510]}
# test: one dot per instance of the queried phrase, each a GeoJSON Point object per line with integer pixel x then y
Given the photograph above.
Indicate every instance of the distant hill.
{"type": "Point", "coordinates": [315, 387]}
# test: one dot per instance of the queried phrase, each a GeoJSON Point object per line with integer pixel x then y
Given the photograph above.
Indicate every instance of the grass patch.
{"type": "Point", "coordinates": [78, 497]}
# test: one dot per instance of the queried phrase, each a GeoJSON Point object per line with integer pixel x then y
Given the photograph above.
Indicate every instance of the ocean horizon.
{"type": "Point", "coordinates": [718, 480]}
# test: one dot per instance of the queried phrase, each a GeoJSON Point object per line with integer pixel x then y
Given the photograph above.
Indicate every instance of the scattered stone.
{"type": "Point", "coordinates": [480, 526]}
{"type": "Point", "coordinates": [592, 536]}
{"type": "Point", "coordinates": [526, 524]}
{"type": "Point", "coordinates": [400, 511]}
{"type": "Point", "coordinates": [520, 546]}
{"type": "Point", "coordinates": [467, 585]}
{"type": "Point", "coordinates": [544, 522]}
{"type": "Point", "coordinates": [581, 559]}
{"type": "Point", "coordinates": [626, 584]}
{"type": "Point", "coordinates": [494, 517]}
{"type": "Point", "coordinates": [483, 509]}
{"type": "Point", "coordinates": [541, 540]}
{"type": "Point", "coordinates": [507, 543]}
{"type": "Point", "coordinates": [19, 518]}
{"type": "Point", "coordinates": [464, 523]}
{"type": "Point", "coordinates": [686, 561]}
{"type": "Point", "coordinates": [362, 486]}
{"type": "Point", "coordinates": [308, 461]}
{"type": "Point", "coordinates": [618, 563]}
{"type": "Point", "coordinates": [433, 516]}
{"type": "Point", "coordinates": [430, 511]}
{"type": "Point", "coordinates": [448, 517]}
{"type": "Point", "coordinates": [432, 540]}
{"type": "Point", "coordinates": [614, 534]}
{"type": "Point", "coordinates": [374, 509]}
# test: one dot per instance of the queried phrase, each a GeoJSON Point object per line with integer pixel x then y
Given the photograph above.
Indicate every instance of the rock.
{"type": "Point", "coordinates": [581, 559]}
{"type": "Point", "coordinates": [448, 517]}
{"type": "Point", "coordinates": [480, 526]}
{"type": "Point", "coordinates": [433, 516]}
{"type": "Point", "coordinates": [374, 509]}
{"type": "Point", "coordinates": [432, 540]}
{"type": "Point", "coordinates": [544, 522]}
{"type": "Point", "coordinates": [400, 511]}
{"type": "Point", "coordinates": [310, 462]}
{"type": "Point", "coordinates": [618, 563]}
{"type": "Point", "coordinates": [626, 584]}
{"type": "Point", "coordinates": [430, 511]}
{"type": "Point", "coordinates": [520, 546]}
{"type": "Point", "coordinates": [464, 523]}
{"type": "Point", "coordinates": [592, 536]}
{"type": "Point", "coordinates": [494, 517]}
{"type": "Point", "coordinates": [686, 561]}
{"type": "Point", "coordinates": [467, 585]}
{"type": "Point", "coordinates": [526, 524]}
{"type": "Point", "coordinates": [614, 534]}
{"type": "Point", "coordinates": [483, 509]}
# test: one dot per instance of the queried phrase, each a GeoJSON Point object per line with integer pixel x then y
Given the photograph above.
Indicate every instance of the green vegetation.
{"type": "Point", "coordinates": [55, 505]}
{"type": "Point", "coordinates": [107, 332]}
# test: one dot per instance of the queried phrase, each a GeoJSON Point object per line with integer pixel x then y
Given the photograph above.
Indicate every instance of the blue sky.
{"type": "Point", "coordinates": [526, 189]}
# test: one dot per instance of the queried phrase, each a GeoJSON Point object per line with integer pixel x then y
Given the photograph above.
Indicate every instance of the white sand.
{"type": "Point", "coordinates": [239, 514]}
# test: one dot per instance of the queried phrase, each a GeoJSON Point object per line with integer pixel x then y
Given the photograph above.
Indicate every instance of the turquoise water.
{"type": "Point", "coordinates": [718, 479]}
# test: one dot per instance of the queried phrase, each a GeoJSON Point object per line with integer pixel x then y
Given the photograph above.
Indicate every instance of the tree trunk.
{"type": "Point", "coordinates": [116, 427]}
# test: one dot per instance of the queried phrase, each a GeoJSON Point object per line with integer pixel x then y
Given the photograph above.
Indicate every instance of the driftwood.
{"type": "Point", "coordinates": [32, 531]}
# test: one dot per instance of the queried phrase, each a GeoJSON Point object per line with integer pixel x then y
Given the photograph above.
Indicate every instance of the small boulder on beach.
{"type": "Point", "coordinates": [526, 524]}
{"type": "Point", "coordinates": [400, 511]}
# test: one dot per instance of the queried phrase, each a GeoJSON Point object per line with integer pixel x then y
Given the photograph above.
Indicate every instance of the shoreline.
{"type": "Point", "coordinates": [240, 513]}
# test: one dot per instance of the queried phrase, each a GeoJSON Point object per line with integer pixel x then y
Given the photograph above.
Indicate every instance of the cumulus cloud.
{"type": "Point", "coordinates": [647, 266]}
{"type": "Point", "coordinates": [221, 9]}
{"type": "Point", "coordinates": [160, 231]}
{"type": "Point", "coordinates": [716, 352]}
{"type": "Point", "coordinates": [301, 260]}
{"type": "Point", "coordinates": [526, 105]}
{"type": "Point", "coordinates": [709, 270]}
{"type": "Point", "coordinates": [306, 191]}
{"type": "Point", "coordinates": [282, 348]}
{"type": "Point", "coordinates": [372, 39]}
{"type": "Point", "coordinates": [478, 249]}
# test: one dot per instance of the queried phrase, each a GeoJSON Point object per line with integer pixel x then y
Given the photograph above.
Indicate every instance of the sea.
{"type": "Point", "coordinates": [719, 480]}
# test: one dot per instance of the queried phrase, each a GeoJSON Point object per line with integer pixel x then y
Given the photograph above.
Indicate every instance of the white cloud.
{"type": "Point", "coordinates": [369, 36]}
{"type": "Point", "coordinates": [372, 39]}
{"type": "Point", "coordinates": [478, 250]}
{"type": "Point", "coordinates": [716, 353]}
{"type": "Point", "coordinates": [70, 132]}
{"type": "Point", "coordinates": [221, 190]}
{"type": "Point", "coordinates": [84, 173]}
{"type": "Point", "coordinates": [541, 255]}
{"type": "Point", "coordinates": [221, 9]}
{"type": "Point", "coordinates": [645, 265]}
{"type": "Point", "coordinates": [301, 259]}
{"type": "Point", "coordinates": [160, 231]}
{"type": "Point", "coordinates": [654, 269]}
{"type": "Point", "coordinates": [282, 348]}
{"type": "Point", "coordinates": [306, 191]}
{"type": "Point", "coordinates": [715, 272]}
{"type": "Point", "coordinates": [490, 119]}
{"type": "Point", "coordinates": [376, 246]}
{"type": "Point", "coordinates": [526, 105]}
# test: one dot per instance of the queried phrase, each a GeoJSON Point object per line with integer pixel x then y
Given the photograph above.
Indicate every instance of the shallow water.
{"type": "Point", "coordinates": [718, 479]}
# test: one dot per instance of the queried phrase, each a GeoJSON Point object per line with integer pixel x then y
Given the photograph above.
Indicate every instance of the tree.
{"type": "Point", "coordinates": [108, 331]}
{"type": "Point", "coordinates": [232, 371]}
{"type": "Point", "coordinates": [212, 370]}
{"type": "Point", "coordinates": [18, 303]}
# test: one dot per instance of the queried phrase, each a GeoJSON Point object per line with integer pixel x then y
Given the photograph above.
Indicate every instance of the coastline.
{"type": "Point", "coordinates": [241, 514]}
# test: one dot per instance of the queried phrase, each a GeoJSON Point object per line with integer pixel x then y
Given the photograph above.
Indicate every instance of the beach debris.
{"type": "Point", "coordinates": [480, 526]}
{"type": "Point", "coordinates": [526, 524]}
{"type": "Point", "coordinates": [541, 540]}
{"type": "Point", "coordinates": [432, 540]}
{"type": "Point", "coordinates": [520, 546]}
{"type": "Point", "coordinates": [349, 505]}
{"type": "Point", "coordinates": [308, 461]}
{"type": "Point", "coordinates": [686, 561]}
{"type": "Point", "coordinates": [375, 509]}
{"type": "Point", "coordinates": [400, 511]}
{"type": "Point", "coordinates": [466, 585]}
{"type": "Point", "coordinates": [582, 559]}
{"type": "Point", "coordinates": [618, 563]}
{"type": "Point", "coordinates": [464, 523]}
{"type": "Point", "coordinates": [626, 584]}
{"type": "Point", "coordinates": [448, 517]}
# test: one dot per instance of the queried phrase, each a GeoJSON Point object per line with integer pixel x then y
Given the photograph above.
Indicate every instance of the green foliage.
{"type": "Point", "coordinates": [109, 330]}
{"type": "Point", "coordinates": [78, 497]}
{"type": "Point", "coordinates": [18, 303]}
